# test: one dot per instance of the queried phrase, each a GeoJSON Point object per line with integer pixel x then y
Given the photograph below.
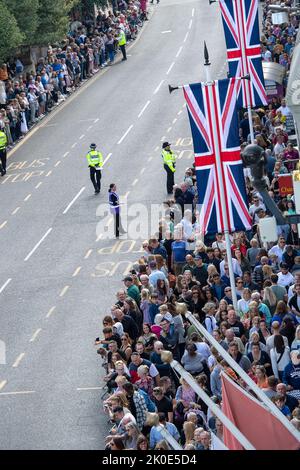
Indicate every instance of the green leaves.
{"type": "Point", "coordinates": [11, 36]}
{"type": "Point", "coordinates": [26, 15]}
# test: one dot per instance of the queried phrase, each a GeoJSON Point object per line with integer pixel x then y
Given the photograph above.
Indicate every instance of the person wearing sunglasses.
{"type": "Point", "coordinates": [228, 295]}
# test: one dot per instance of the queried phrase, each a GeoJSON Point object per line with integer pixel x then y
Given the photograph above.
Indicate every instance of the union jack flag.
{"type": "Point", "coordinates": [214, 126]}
{"type": "Point", "coordinates": [241, 28]}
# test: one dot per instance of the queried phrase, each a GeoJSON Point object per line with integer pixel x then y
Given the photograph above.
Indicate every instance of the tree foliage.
{"type": "Point", "coordinates": [10, 36]}
{"type": "Point", "coordinates": [53, 21]}
{"type": "Point", "coordinates": [26, 15]}
{"type": "Point", "coordinates": [37, 22]}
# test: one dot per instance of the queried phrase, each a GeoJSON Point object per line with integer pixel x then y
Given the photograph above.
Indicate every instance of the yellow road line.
{"type": "Point", "coordinates": [50, 312]}
{"type": "Point", "coordinates": [64, 291]}
{"type": "Point", "coordinates": [18, 360]}
{"type": "Point", "coordinates": [88, 254]}
{"type": "Point", "coordinates": [77, 270]}
{"type": "Point", "coordinates": [2, 384]}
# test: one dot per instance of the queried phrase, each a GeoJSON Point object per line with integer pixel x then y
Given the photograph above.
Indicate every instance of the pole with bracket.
{"type": "Point", "coordinates": [245, 377]}
{"type": "Point", "coordinates": [209, 84]}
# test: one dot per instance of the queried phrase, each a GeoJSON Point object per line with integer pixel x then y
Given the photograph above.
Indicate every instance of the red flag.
{"type": "Point", "coordinates": [259, 426]}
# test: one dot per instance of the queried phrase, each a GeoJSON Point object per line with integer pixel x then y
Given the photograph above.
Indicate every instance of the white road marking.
{"type": "Point", "coordinates": [170, 68]}
{"type": "Point", "coordinates": [165, 32]}
{"type": "Point", "coordinates": [82, 136]}
{"type": "Point", "coordinates": [149, 159]}
{"type": "Point", "coordinates": [77, 270]}
{"type": "Point", "coordinates": [174, 120]}
{"type": "Point", "coordinates": [193, 11]}
{"type": "Point", "coordinates": [125, 197]}
{"type": "Point", "coordinates": [89, 128]}
{"type": "Point", "coordinates": [169, 129]}
{"type": "Point", "coordinates": [5, 285]}
{"type": "Point", "coordinates": [64, 290]}
{"type": "Point", "coordinates": [107, 158]}
{"type": "Point", "coordinates": [39, 184]}
{"type": "Point", "coordinates": [96, 120]}
{"type": "Point", "coordinates": [23, 392]}
{"type": "Point", "coordinates": [179, 51]}
{"type": "Point", "coordinates": [38, 244]}
{"type": "Point", "coordinates": [15, 211]}
{"type": "Point", "coordinates": [27, 197]}
{"type": "Point", "coordinates": [2, 384]}
{"type": "Point", "coordinates": [142, 171]}
{"type": "Point", "coordinates": [88, 254]}
{"type": "Point", "coordinates": [186, 36]}
{"type": "Point", "coordinates": [49, 173]}
{"type": "Point", "coordinates": [57, 163]}
{"type": "Point", "coordinates": [144, 108]}
{"type": "Point", "coordinates": [179, 112]}
{"type": "Point", "coordinates": [156, 148]}
{"type": "Point", "coordinates": [18, 360]}
{"type": "Point", "coordinates": [50, 312]}
{"type": "Point", "coordinates": [158, 87]}
{"type": "Point", "coordinates": [134, 182]}
{"type": "Point", "coordinates": [74, 145]}
{"type": "Point", "coordinates": [89, 388]}
{"type": "Point", "coordinates": [73, 200]}
{"type": "Point", "coordinates": [163, 138]}
{"type": "Point", "coordinates": [66, 154]}
{"type": "Point", "coordinates": [35, 335]}
{"type": "Point", "coordinates": [99, 237]}
{"type": "Point", "coordinates": [190, 24]}
{"type": "Point", "coordinates": [3, 224]}
{"type": "Point", "coordinates": [126, 133]}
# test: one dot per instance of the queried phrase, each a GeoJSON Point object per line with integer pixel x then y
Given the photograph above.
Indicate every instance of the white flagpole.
{"type": "Point", "coordinates": [221, 182]}
{"type": "Point", "coordinates": [245, 377]}
{"type": "Point", "coordinates": [212, 406]}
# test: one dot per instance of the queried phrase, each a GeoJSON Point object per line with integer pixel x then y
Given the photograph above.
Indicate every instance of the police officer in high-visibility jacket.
{"type": "Point", "coordinates": [122, 42]}
{"type": "Point", "coordinates": [3, 145]}
{"type": "Point", "coordinates": [169, 160]}
{"type": "Point", "coordinates": [95, 161]}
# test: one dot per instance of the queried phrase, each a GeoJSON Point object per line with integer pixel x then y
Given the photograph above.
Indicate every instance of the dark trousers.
{"type": "Point", "coordinates": [123, 50]}
{"type": "Point", "coordinates": [170, 179]}
{"type": "Point", "coordinates": [95, 176]}
{"type": "Point", "coordinates": [3, 161]}
{"type": "Point", "coordinates": [117, 224]}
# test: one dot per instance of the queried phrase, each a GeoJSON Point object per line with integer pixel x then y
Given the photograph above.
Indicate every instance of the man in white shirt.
{"type": "Point", "coordinates": [188, 232]}
{"type": "Point", "coordinates": [285, 278]}
{"type": "Point", "coordinates": [278, 249]}
{"type": "Point", "coordinates": [219, 243]}
{"type": "Point", "coordinates": [236, 267]}
{"type": "Point", "coordinates": [279, 147]}
{"type": "Point", "coordinates": [257, 204]}
{"type": "Point", "coordinates": [285, 110]}
{"type": "Point", "coordinates": [291, 290]}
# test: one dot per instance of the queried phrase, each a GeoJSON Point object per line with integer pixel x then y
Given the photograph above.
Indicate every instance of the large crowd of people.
{"type": "Point", "coordinates": [26, 97]}
{"type": "Point", "coordinates": [181, 272]}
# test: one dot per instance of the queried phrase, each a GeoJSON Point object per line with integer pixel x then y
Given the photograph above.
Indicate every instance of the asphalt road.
{"type": "Point", "coordinates": [57, 277]}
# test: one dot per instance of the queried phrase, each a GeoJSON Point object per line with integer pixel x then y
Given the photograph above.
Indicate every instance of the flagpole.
{"type": "Point", "coordinates": [244, 376]}
{"type": "Point", "coordinates": [208, 401]}
{"type": "Point", "coordinates": [221, 182]}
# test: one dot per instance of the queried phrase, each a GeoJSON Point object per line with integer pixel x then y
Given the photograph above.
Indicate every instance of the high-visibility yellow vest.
{"type": "Point", "coordinates": [122, 38]}
{"type": "Point", "coordinates": [95, 158]}
{"type": "Point", "coordinates": [3, 140]}
{"type": "Point", "coordinates": [169, 159]}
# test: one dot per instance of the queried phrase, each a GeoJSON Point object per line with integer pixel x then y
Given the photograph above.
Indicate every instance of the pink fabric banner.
{"type": "Point", "coordinates": [259, 426]}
